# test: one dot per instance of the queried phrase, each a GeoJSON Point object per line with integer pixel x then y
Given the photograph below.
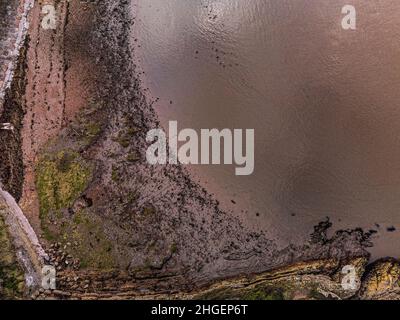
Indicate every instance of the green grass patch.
{"type": "Point", "coordinates": [60, 180]}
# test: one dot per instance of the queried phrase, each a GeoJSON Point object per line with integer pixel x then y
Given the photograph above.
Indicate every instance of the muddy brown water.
{"type": "Point", "coordinates": [324, 103]}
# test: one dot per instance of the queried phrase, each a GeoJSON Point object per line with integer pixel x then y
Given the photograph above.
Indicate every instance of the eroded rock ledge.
{"type": "Point", "coordinates": [314, 280]}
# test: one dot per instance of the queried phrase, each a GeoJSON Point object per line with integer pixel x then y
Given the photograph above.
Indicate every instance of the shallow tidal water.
{"type": "Point", "coordinates": [8, 16]}
{"type": "Point", "coordinates": [324, 103]}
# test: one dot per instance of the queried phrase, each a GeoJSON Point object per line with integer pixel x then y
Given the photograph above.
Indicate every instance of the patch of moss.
{"type": "Point", "coordinates": [92, 130]}
{"type": "Point", "coordinates": [94, 249]}
{"type": "Point", "coordinates": [60, 179]}
{"type": "Point", "coordinates": [65, 161]}
{"type": "Point", "coordinates": [314, 293]}
{"type": "Point", "coordinates": [257, 293]}
{"type": "Point", "coordinates": [131, 130]}
{"type": "Point", "coordinates": [174, 248]}
{"type": "Point", "coordinates": [218, 294]}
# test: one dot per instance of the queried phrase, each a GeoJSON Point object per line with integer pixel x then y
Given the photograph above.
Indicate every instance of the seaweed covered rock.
{"type": "Point", "coordinates": [381, 280]}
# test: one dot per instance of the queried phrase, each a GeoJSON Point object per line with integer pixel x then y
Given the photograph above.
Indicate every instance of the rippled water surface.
{"type": "Point", "coordinates": [324, 103]}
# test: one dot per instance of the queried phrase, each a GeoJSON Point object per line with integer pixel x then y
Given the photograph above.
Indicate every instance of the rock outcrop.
{"type": "Point", "coordinates": [381, 281]}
